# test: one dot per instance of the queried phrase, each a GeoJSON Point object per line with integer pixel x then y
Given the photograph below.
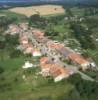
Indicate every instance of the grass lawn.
{"type": "Point", "coordinates": [23, 91]}
{"type": "Point", "coordinates": [61, 28]}
{"type": "Point", "coordinates": [77, 11]}
{"type": "Point", "coordinates": [95, 30]}
{"type": "Point", "coordinates": [11, 64]}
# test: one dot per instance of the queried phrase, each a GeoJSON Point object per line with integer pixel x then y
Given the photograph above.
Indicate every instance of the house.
{"type": "Point", "coordinates": [38, 33]}
{"type": "Point", "coordinates": [79, 60]}
{"type": "Point", "coordinates": [59, 73]}
{"type": "Point", "coordinates": [97, 40]}
{"type": "Point", "coordinates": [49, 68]}
{"type": "Point", "coordinates": [45, 64]}
{"type": "Point", "coordinates": [23, 26]}
{"type": "Point", "coordinates": [27, 65]}
{"type": "Point", "coordinates": [44, 50]}
{"type": "Point", "coordinates": [14, 29]}
{"type": "Point", "coordinates": [45, 69]}
{"type": "Point", "coordinates": [36, 52]}
{"type": "Point", "coordinates": [46, 60]}
{"type": "Point", "coordinates": [43, 60]}
{"type": "Point", "coordinates": [55, 46]}
{"type": "Point", "coordinates": [24, 40]}
{"type": "Point", "coordinates": [64, 51]}
{"type": "Point", "coordinates": [29, 49]}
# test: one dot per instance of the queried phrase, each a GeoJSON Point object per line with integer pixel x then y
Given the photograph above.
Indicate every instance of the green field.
{"type": "Point", "coordinates": [10, 14]}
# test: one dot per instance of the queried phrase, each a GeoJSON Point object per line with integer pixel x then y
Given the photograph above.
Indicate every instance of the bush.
{"type": "Point", "coordinates": [1, 70]}
{"type": "Point", "coordinates": [45, 98]}
{"type": "Point", "coordinates": [15, 53]}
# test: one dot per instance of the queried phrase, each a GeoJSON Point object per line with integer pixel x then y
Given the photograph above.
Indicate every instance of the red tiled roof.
{"type": "Point", "coordinates": [14, 28]}
{"type": "Point", "coordinates": [44, 59]}
{"type": "Point", "coordinates": [57, 70]}
{"type": "Point", "coordinates": [38, 33]}
{"type": "Point", "coordinates": [77, 58]}
{"type": "Point", "coordinates": [43, 66]}
{"type": "Point", "coordinates": [56, 46]}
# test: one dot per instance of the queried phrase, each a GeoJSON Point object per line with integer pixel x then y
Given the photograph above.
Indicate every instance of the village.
{"type": "Point", "coordinates": [55, 58]}
{"type": "Point", "coordinates": [48, 51]}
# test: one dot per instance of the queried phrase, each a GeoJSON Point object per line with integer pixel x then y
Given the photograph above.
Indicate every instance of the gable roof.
{"type": "Point", "coordinates": [55, 46]}
{"type": "Point", "coordinates": [45, 66]}
{"type": "Point", "coordinates": [57, 70]}
{"type": "Point", "coordinates": [38, 33]}
{"type": "Point", "coordinates": [77, 58]}
{"type": "Point", "coordinates": [44, 59]}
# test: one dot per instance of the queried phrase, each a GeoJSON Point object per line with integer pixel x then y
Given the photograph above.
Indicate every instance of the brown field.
{"type": "Point", "coordinates": [42, 10]}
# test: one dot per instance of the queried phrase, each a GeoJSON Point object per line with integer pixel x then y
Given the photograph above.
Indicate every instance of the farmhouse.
{"type": "Point", "coordinates": [38, 33]}
{"type": "Point", "coordinates": [58, 73]}
{"type": "Point", "coordinates": [36, 52]}
{"type": "Point", "coordinates": [24, 26]}
{"type": "Point", "coordinates": [13, 29]}
{"type": "Point", "coordinates": [24, 40]}
{"type": "Point", "coordinates": [49, 68]}
{"type": "Point", "coordinates": [79, 60]}
{"type": "Point", "coordinates": [29, 49]}
{"type": "Point", "coordinates": [27, 65]}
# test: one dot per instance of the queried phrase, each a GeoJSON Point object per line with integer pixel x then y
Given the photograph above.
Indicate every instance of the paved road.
{"type": "Point", "coordinates": [85, 77]}
{"type": "Point", "coordinates": [75, 69]}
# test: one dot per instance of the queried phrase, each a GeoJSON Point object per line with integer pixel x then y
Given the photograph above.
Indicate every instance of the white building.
{"type": "Point", "coordinates": [36, 53]}
{"type": "Point", "coordinates": [27, 65]}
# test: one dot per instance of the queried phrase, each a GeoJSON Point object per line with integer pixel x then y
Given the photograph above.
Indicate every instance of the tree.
{"type": "Point", "coordinates": [15, 53]}
{"type": "Point", "coordinates": [1, 70]}
{"type": "Point", "coordinates": [75, 79]}
{"type": "Point", "coordinates": [45, 98]}
{"type": "Point", "coordinates": [12, 40]}
{"type": "Point", "coordinates": [2, 44]}
{"type": "Point", "coordinates": [83, 36]}
{"type": "Point", "coordinates": [85, 54]}
{"type": "Point", "coordinates": [37, 20]}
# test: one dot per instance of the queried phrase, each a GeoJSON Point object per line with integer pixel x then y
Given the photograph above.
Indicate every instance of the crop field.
{"type": "Point", "coordinates": [42, 10]}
